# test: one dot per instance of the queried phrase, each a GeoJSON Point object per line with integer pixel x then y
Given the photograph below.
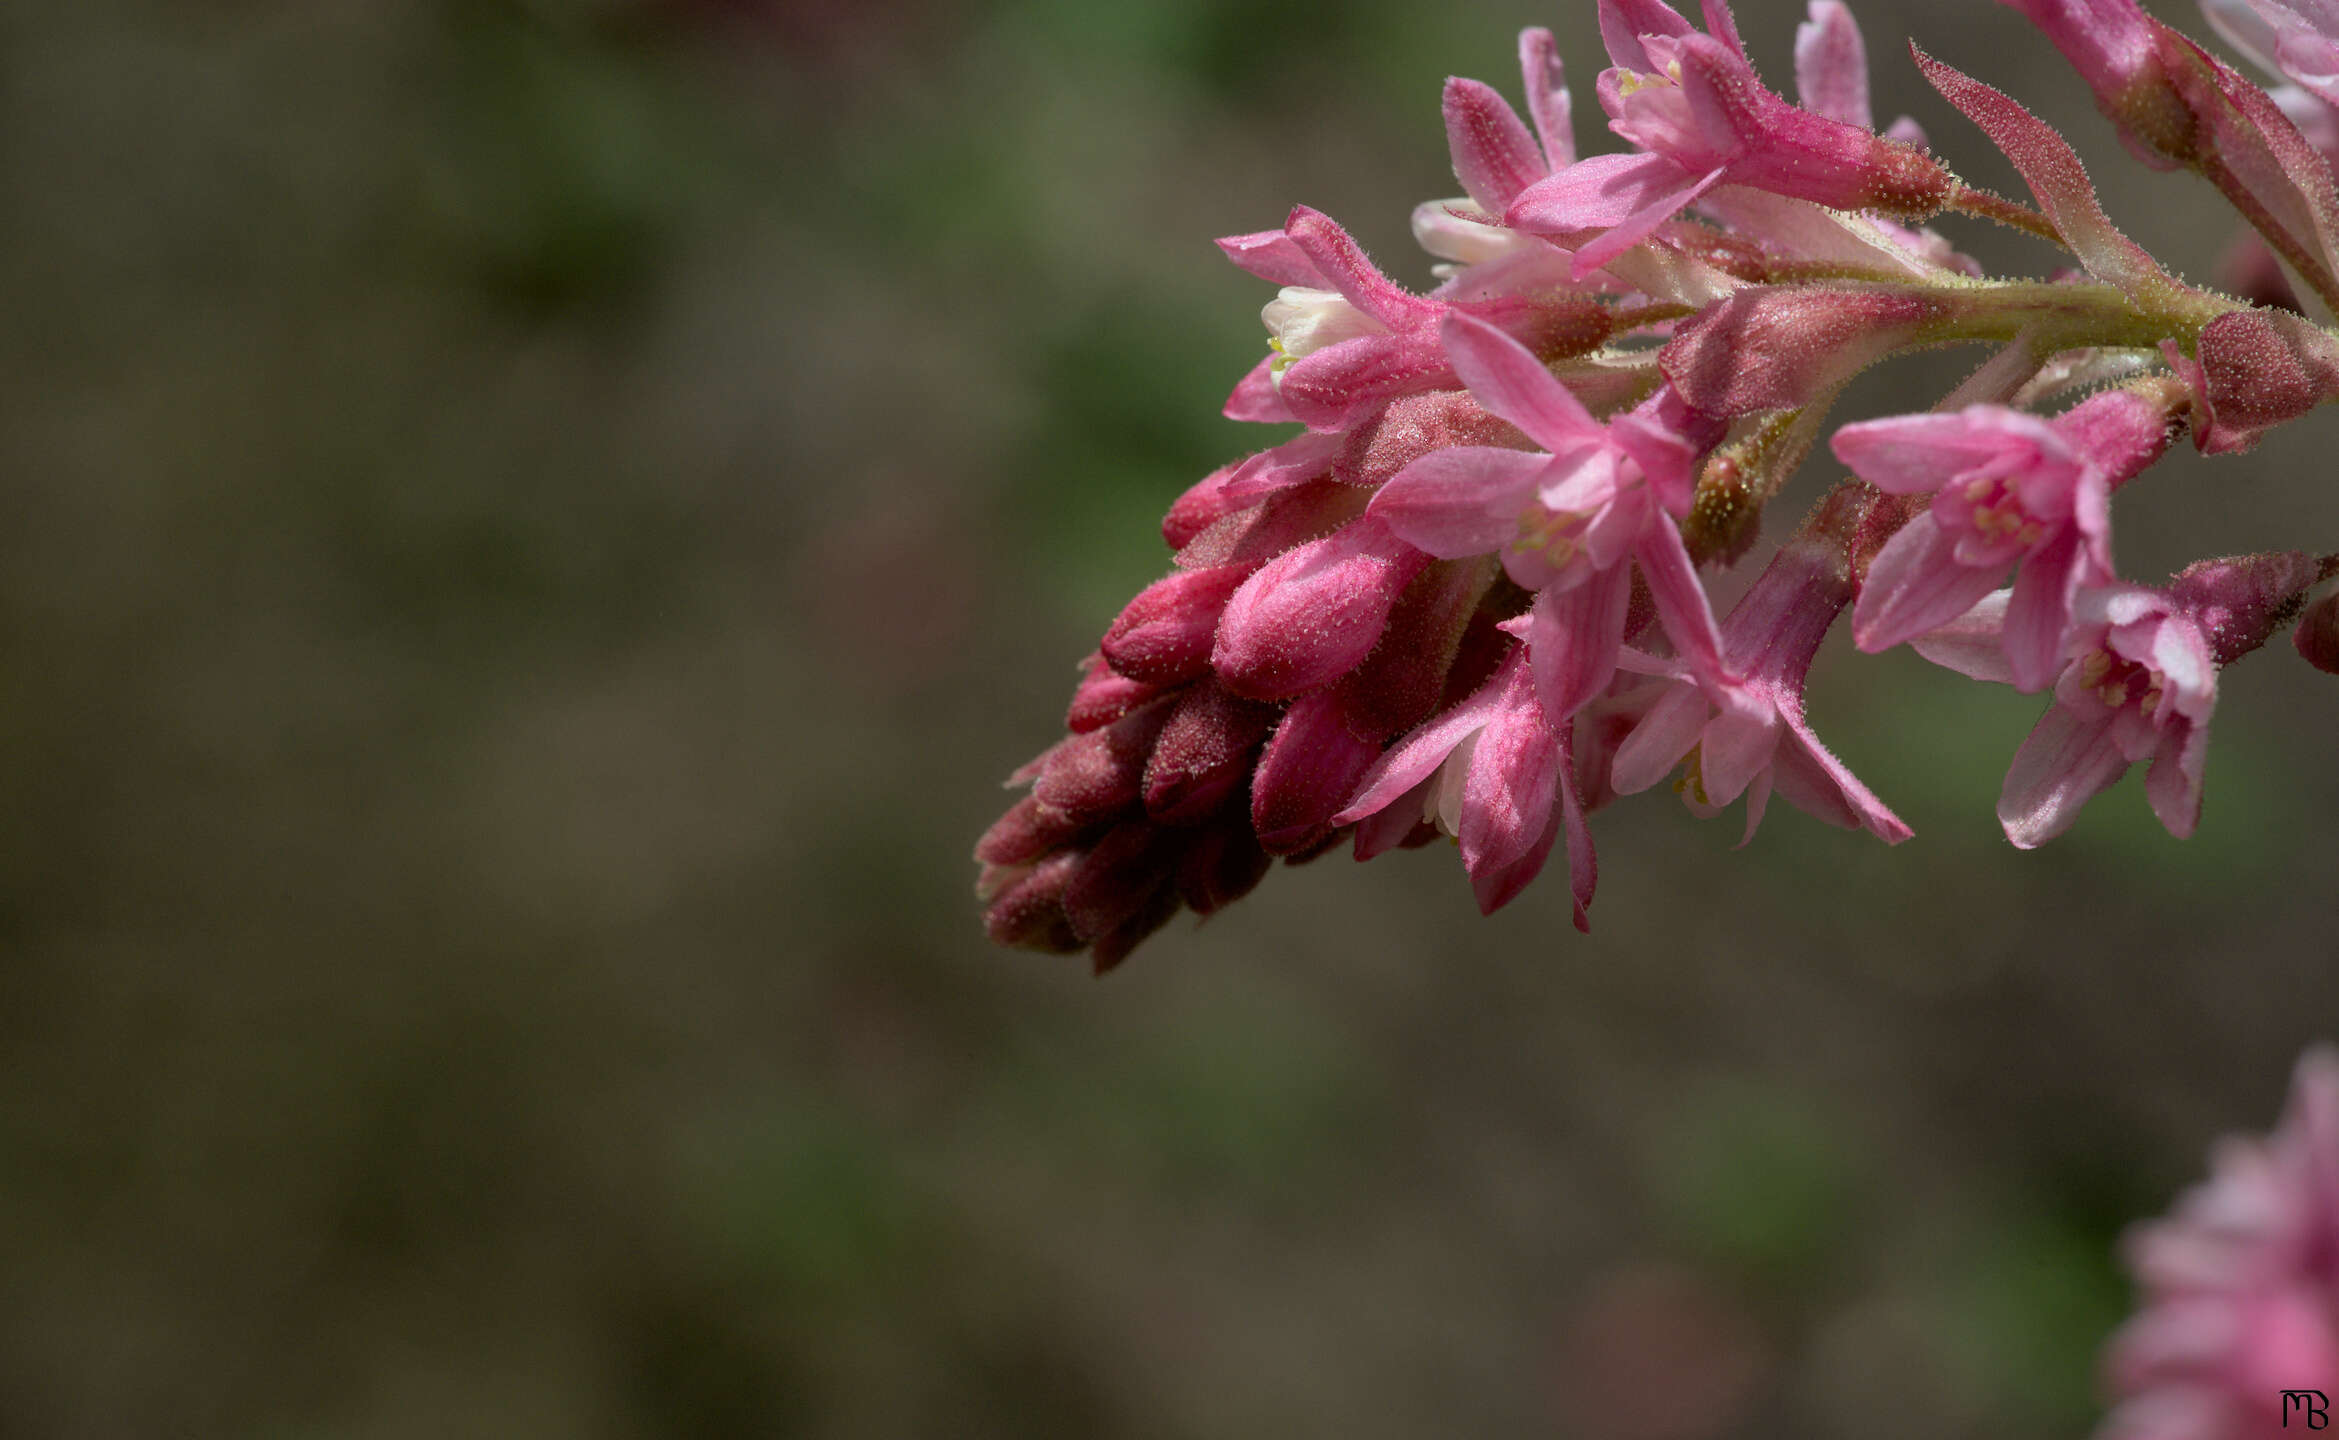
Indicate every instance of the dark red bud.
{"type": "Point", "coordinates": [1026, 832]}
{"type": "Point", "coordinates": [1093, 777]}
{"type": "Point", "coordinates": [1224, 865]}
{"type": "Point", "coordinates": [1029, 915]}
{"type": "Point", "coordinates": [1308, 773]}
{"type": "Point", "coordinates": [1199, 508]}
{"type": "Point", "coordinates": [1115, 947]}
{"type": "Point", "coordinates": [2318, 634]}
{"type": "Point", "coordinates": [1115, 879]}
{"type": "Point", "coordinates": [1203, 754]}
{"type": "Point", "coordinates": [1104, 696]}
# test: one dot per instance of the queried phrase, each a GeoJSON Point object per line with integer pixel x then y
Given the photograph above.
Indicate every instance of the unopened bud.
{"type": "Point", "coordinates": [1203, 754]}
{"type": "Point", "coordinates": [2317, 636]}
{"type": "Point", "coordinates": [1095, 776]}
{"type": "Point", "coordinates": [1308, 773]}
{"type": "Point", "coordinates": [1308, 617]}
{"type": "Point", "coordinates": [1163, 636]}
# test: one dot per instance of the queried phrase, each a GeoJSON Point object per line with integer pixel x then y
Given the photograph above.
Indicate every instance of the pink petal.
{"type": "Point", "coordinates": [2052, 170]}
{"type": "Point", "coordinates": [1667, 458]}
{"type": "Point", "coordinates": [1971, 644]}
{"type": "Point", "coordinates": [1722, 25]}
{"type": "Point", "coordinates": [1346, 269]}
{"type": "Point", "coordinates": [1757, 801]}
{"type": "Point", "coordinates": [1494, 156]}
{"type": "Point", "coordinates": [1682, 606]}
{"type": "Point", "coordinates": [1573, 638]}
{"type": "Point", "coordinates": [1916, 586]}
{"type": "Point", "coordinates": [1831, 65]}
{"type": "Point", "coordinates": [1733, 750]}
{"type": "Point", "coordinates": [2039, 614]}
{"type": "Point", "coordinates": [1295, 462]}
{"type": "Point", "coordinates": [1547, 97]}
{"type": "Point", "coordinates": [1599, 192]}
{"type": "Point", "coordinates": [2173, 784]}
{"type": "Point", "coordinates": [1508, 380]}
{"type": "Point", "coordinates": [1414, 760]}
{"type": "Point", "coordinates": [1513, 781]}
{"type": "Point", "coordinates": [1256, 398]}
{"type": "Point", "coordinates": [1582, 863]}
{"type": "Point", "coordinates": [1819, 785]}
{"type": "Point", "coordinates": [2066, 762]}
{"type": "Point", "coordinates": [1311, 615]}
{"type": "Point", "coordinates": [1389, 826]}
{"type": "Point", "coordinates": [1911, 454]}
{"type": "Point", "coordinates": [1663, 736]}
{"type": "Point", "coordinates": [1498, 886]}
{"type": "Point", "coordinates": [1466, 500]}
{"type": "Point", "coordinates": [1663, 204]}
{"type": "Point", "coordinates": [1623, 22]}
{"type": "Point", "coordinates": [1270, 255]}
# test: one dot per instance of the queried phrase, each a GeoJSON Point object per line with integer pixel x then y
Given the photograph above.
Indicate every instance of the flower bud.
{"type": "Point", "coordinates": [1119, 877]}
{"type": "Point", "coordinates": [1307, 774]}
{"type": "Point", "coordinates": [2239, 601]}
{"type": "Point", "coordinates": [2317, 636]}
{"type": "Point", "coordinates": [1028, 831]}
{"type": "Point", "coordinates": [1309, 616]}
{"type": "Point", "coordinates": [1029, 913]}
{"type": "Point", "coordinates": [1203, 754]}
{"type": "Point", "coordinates": [1094, 776]}
{"type": "Point", "coordinates": [1224, 864]}
{"type": "Point", "coordinates": [1104, 696]}
{"type": "Point", "coordinates": [1163, 636]}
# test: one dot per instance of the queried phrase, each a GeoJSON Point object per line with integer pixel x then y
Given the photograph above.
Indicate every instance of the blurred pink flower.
{"type": "Point", "coordinates": [2240, 1285]}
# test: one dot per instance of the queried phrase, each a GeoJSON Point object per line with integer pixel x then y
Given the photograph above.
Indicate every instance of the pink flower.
{"type": "Point", "coordinates": [1701, 118]}
{"type": "Point", "coordinates": [2013, 489]}
{"type": "Point", "coordinates": [1745, 733]}
{"type": "Point", "coordinates": [2240, 1285]}
{"type": "Point", "coordinates": [1487, 772]}
{"type": "Point", "coordinates": [1347, 339]}
{"type": "Point", "coordinates": [2140, 683]}
{"type": "Point", "coordinates": [1567, 520]}
{"type": "Point", "coordinates": [2295, 38]}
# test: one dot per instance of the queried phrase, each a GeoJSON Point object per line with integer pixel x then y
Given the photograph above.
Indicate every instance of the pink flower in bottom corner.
{"type": "Point", "coordinates": [2239, 1286]}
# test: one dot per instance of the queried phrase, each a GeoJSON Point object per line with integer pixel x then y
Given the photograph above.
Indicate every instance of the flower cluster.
{"type": "Point", "coordinates": [1465, 598]}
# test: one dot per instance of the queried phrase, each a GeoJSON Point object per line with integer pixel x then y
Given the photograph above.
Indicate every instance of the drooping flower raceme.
{"type": "Point", "coordinates": [1463, 596]}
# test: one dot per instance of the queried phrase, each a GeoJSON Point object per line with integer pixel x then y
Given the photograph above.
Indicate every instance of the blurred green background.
{"type": "Point", "coordinates": [531, 532]}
